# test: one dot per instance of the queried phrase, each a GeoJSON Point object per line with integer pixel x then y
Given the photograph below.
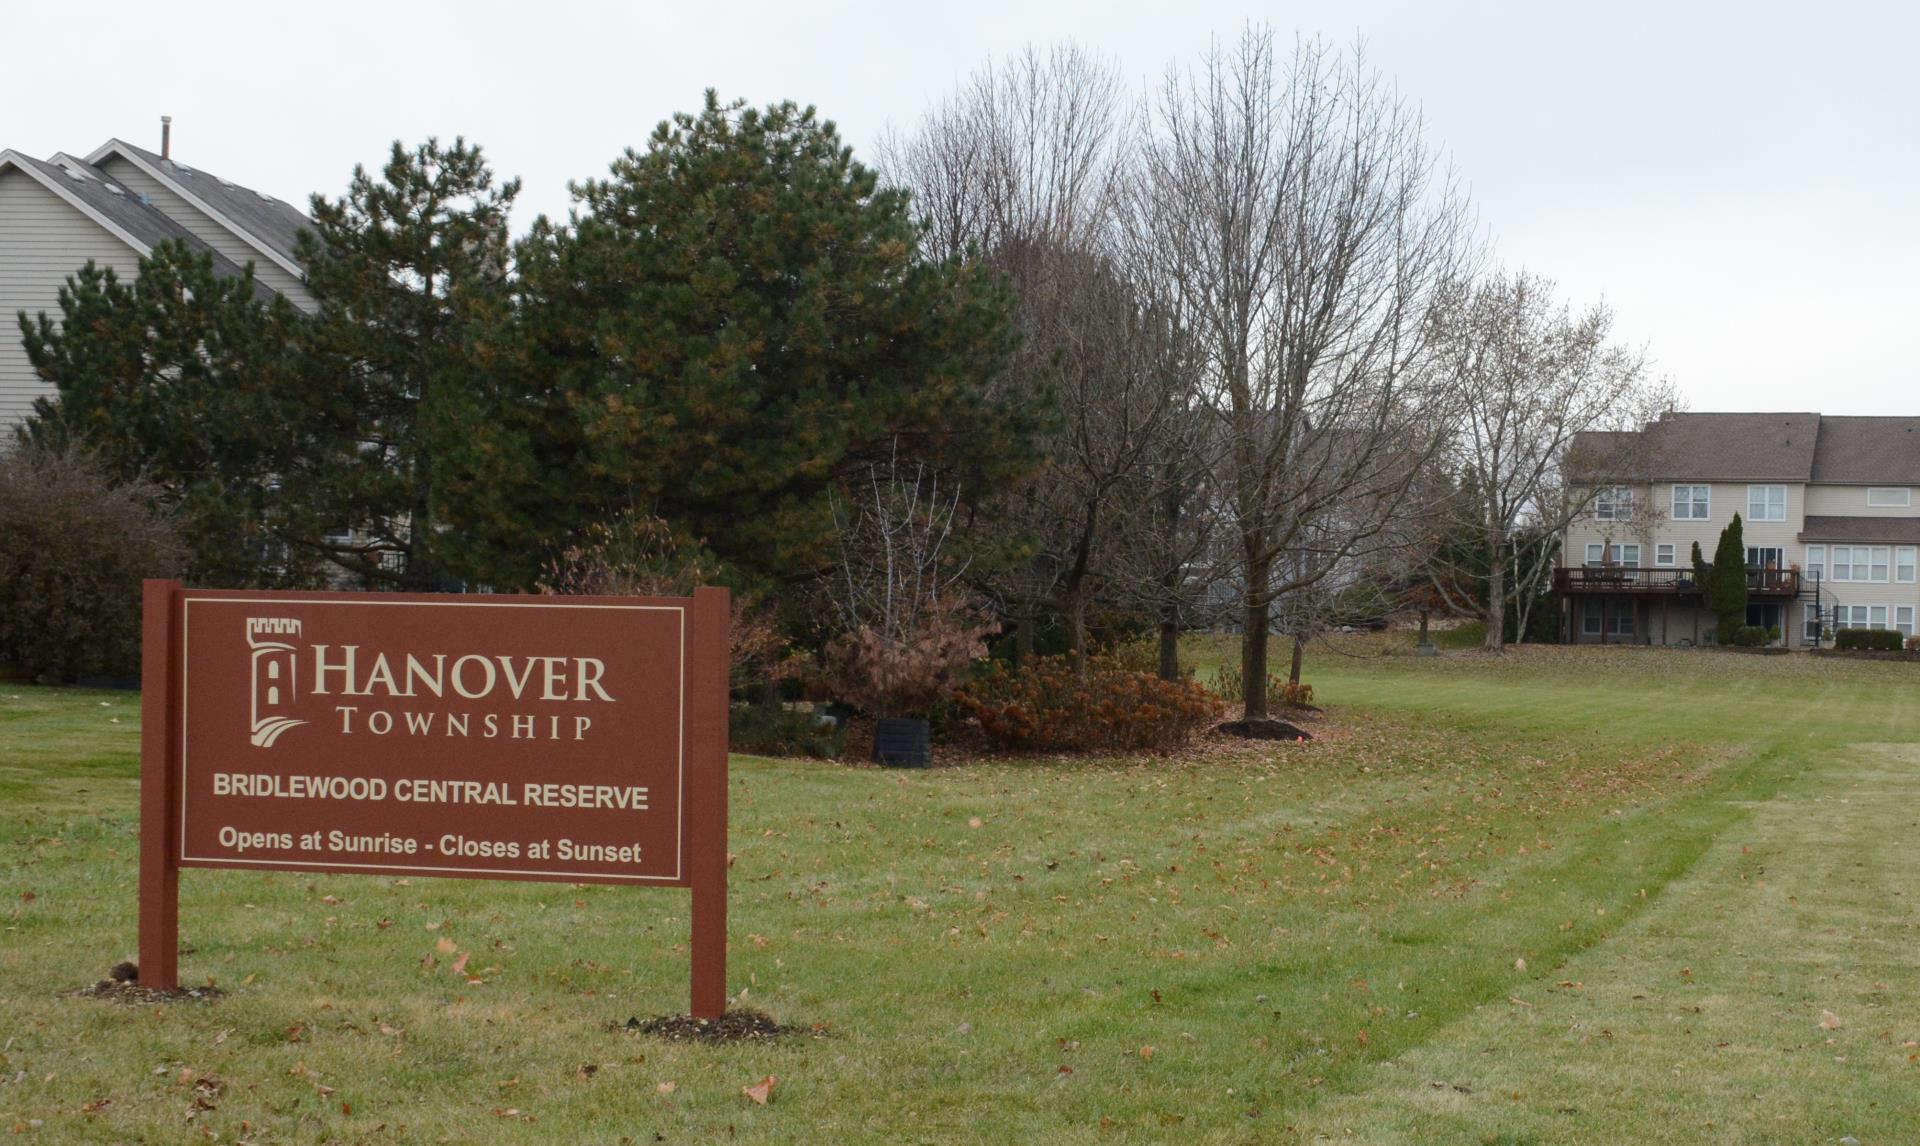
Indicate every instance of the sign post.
{"type": "Point", "coordinates": [577, 739]}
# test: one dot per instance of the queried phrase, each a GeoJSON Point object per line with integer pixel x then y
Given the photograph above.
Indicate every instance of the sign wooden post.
{"type": "Point", "coordinates": [159, 794]}
{"type": "Point", "coordinates": [708, 830]}
{"type": "Point", "coordinates": [576, 739]}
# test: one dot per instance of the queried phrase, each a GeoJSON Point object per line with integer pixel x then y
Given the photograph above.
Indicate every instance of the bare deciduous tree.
{"type": "Point", "coordinates": [1310, 226]}
{"type": "Point", "coordinates": [1532, 375]}
{"type": "Point", "coordinates": [1024, 166]}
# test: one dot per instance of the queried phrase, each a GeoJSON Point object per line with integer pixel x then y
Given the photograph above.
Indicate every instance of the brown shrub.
{"type": "Point", "coordinates": [74, 548]}
{"type": "Point", "coordinates": [1045, 706]}
{"type": "Point", "coordinates": [906, 674]}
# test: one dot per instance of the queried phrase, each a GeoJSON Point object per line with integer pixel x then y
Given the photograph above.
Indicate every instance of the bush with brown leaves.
{"type": "Point", "coordinates": [1044, 706]}
{"type": "Point", "coordinates": [907, 673]}
{"type": "Point", "coordinates": [74, 548]}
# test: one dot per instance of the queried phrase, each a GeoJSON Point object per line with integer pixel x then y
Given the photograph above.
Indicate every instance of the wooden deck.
{"type": "Point", "coordinates": [1621, 580]}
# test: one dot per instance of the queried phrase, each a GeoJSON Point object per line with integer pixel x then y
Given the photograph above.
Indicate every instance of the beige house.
{"type": "Point", "coordinates": [1829, 520]}
{"type": "Point", "coordinates": [114, 206]}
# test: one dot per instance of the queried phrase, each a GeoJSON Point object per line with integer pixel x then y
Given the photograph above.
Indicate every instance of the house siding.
{"type": "Point", "coordinates": [1851, 501]}
{"type": "Point", "coordinates": [43, 240]}
{"type": "Point", "coordinates": [208, 231]}
{"type": "Point", "coordinates": [1653, 524]}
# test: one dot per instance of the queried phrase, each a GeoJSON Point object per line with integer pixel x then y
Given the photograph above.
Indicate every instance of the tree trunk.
{"type": "Point", "coordinates": [1022, 641]}
{"type": "Point", "coordinates": [1253, 645]}
{"type": "Point", "coordinates": [1496, 637]}
{"type": "Point", "coordinates": [1076, 610]}
{"type": "Point", "coordinates": [1169, 646]}
{"type": "Point", "coordinates": [1170, 585]}
{"type": "Point", "coordinates": [1299, 649]}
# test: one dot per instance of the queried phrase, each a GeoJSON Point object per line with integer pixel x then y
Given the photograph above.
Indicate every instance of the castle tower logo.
{"type": "Point", "coordinates": [275, 685]}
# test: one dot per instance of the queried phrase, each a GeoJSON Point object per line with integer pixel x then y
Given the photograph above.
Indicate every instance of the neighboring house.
{"type": "Point", "coordinates": [1828, 517]}
{"type": "Point", "coordinates": [113, 207]}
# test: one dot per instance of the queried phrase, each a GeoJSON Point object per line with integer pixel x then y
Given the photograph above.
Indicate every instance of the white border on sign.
{"type": "Point", "coordinates": [680, 801]}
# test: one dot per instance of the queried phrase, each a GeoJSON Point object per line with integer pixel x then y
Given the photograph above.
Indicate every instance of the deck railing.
{"type": "Point", "coordinates": [1631, 579]}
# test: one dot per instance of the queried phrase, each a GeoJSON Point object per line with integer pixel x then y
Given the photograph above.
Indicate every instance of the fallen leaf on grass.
{"type": "Point", "coordinates": [667, 1087]}
{"type": "Point", "coordinates": [460, 964]}
{"type": "Point", "coordinates": [587, 1070]}
{"type": "Point", "coordinates": [761, 1092]}
{"type": "Point", "coordinates": [1829, 1021]}
{"type": "Point", "coordinates": [445, 946]}
{"type": "Point", "coordinates": [1146, 1053]}
{"type": "Point", "coordinates": [1520, 964]}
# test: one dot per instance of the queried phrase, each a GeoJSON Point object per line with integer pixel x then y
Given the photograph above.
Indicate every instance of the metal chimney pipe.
{"type": "Point", "coordinates": [166, 137]}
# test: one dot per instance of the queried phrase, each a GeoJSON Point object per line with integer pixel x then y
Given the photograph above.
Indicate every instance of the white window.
{"type": "Point", "coordinates": [1595, 552]}
{"type": "Point", "coordinates": [1690, 503]}
{"type": "Point", "coordinates": [1860, 563]}
{"type": "Point", "coordinates": [1903, 619]}
{"type": "Point", "coordinates": [1766, 503]}
{"type": "Point", "coordinates": [1810, 625]}
{"type": "Point", "coordinates": [1615, 554]}
{"type": "Point", "coordinates": [1613, 503]}
{"type": "Point", "coordinates": [1663, 553]}
{"type": "Point", "coordinates": [1817, 562]}
{"type": "Point", "coordinates": [1890, 496]}
{"type": "Point", "coordinates": [1860, 616]}
{"type": "Point", "coordinates": [1903, 564]}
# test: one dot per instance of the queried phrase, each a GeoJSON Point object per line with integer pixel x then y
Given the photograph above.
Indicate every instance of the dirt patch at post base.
{"type": "Point", "coordinates": [123, 986]}
{"type": "Point", "coordinates": [734, 1026]}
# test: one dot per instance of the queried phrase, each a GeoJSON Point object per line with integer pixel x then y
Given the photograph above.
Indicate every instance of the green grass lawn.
{"type": "Point", "coordinates": [1598, 895]}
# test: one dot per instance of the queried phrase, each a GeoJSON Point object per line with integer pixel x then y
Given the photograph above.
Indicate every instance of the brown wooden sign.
{"type": "Point", "coordinates": [494, 737]}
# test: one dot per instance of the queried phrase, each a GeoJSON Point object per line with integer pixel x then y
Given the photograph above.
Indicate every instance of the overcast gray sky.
{"type": "Point", "coordinates": [1737, 180]}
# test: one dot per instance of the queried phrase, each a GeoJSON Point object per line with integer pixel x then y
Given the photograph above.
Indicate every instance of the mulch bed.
{"type": "Point", "coordinates": [963, 744]}
{"type": "Point", "coordinates": [732, 1027]}
{"type": "Point", "coordinates": [123, 986]}
{"type": "Point", "coordinates": [1264, 730]}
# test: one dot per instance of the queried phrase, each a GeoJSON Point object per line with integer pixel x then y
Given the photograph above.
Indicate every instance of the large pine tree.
{"type": "Point", "coordinates": [409, 361]}
{"type": "Point", "coordinates": [736, 319]}
{"type": "Point", "coordinates": [177, 379]}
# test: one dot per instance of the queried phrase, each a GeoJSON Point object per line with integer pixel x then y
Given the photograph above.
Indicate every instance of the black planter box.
{"type": "Point", "coordinates": [902, 742]}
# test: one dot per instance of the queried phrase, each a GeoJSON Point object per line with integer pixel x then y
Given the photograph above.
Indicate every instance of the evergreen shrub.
{"type": "Point", "coordinates": [1868, 640]}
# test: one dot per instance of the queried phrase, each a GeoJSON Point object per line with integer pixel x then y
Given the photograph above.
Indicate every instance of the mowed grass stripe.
{"type": "Point", "coordinates": [1274, 925]}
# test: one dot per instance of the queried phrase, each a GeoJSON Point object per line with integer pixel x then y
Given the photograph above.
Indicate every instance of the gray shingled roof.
{"type": "Point", "coordinates": [1732, 447]}
{"type": "Point", "coordinates": [273, 222]}
{"type": "Point", "coordinates": [1904, 530]}
{"type": "Point", "coordinates": [1793, 447]}
{"type": "Point", "coordinates": [126, 210]}
{"type": "Point", "coordinates": [1868, 451]}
